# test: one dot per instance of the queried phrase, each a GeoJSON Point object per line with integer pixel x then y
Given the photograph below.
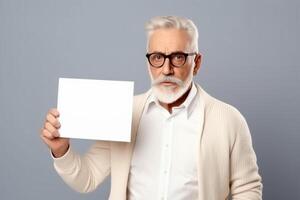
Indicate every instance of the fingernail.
{"type": "Point", "coordinates": [56, 134]}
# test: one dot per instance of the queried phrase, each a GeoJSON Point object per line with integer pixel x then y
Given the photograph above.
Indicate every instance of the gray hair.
{"type": "Point", "coordinates": [173, 22]}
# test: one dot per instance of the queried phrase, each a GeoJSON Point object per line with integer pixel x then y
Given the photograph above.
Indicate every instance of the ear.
{"type": "Point", "coordinates": [197, 62]}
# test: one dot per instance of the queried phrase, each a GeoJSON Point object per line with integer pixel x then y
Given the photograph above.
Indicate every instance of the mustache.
{"type": "Point", "coordinates": [171, 79]}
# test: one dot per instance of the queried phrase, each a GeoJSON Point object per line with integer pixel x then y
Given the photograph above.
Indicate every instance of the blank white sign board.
{"type": "Point", "coordinates": [95, 109]}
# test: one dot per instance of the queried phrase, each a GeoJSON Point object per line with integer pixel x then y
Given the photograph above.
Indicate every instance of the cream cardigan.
{"type": "Point", "coordinates": [226, 159]}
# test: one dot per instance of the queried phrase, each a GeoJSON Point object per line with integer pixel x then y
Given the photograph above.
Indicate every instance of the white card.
{"type": "Point", "coordinates": [95, 109]}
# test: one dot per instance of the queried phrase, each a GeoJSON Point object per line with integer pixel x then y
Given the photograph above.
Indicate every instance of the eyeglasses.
{"type": "Point", "coordinates": [177, 59]}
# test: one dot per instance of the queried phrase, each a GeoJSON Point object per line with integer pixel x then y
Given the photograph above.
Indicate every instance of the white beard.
{"type": "Point", "coordinates": [169, 94]}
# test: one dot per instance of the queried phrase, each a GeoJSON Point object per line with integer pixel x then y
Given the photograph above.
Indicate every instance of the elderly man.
{"type": "Point", "coordinates": [185, 144]}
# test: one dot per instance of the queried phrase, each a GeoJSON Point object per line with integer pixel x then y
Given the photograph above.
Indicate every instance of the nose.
{"type": "Point", "coordinates": [167, 69]}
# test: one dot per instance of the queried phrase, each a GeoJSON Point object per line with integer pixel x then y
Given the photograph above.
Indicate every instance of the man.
{"type": "Point", "coordinates": [185, 144]}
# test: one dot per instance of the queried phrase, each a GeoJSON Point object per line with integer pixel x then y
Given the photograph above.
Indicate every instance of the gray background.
{"type": "Point", "coordinates": [250, 60]}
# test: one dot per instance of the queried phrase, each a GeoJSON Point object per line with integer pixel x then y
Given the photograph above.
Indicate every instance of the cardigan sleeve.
{"type": "Point", "coordinates": [245, 181]}
{"type": "Point", "coordinates": [84, 173]}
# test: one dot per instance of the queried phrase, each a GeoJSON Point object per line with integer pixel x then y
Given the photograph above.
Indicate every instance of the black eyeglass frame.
{"type": "Point", "coordinates": [148, 55]}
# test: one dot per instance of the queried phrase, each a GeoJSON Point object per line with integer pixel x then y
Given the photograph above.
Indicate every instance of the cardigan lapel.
{"type": "Point", "coordinates": [206, 102]}
{"type": "Point", "coordinates": [202, 111]}
{"type": "Point", "coordinates": [121, 152]}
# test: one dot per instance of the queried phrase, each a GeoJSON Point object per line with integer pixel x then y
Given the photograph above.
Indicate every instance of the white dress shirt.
{"type": "Point", "coordinates": [164, 162]}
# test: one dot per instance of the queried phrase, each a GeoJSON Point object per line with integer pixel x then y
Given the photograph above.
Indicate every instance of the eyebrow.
{"type": "Point", "coordinates": [169, 53]}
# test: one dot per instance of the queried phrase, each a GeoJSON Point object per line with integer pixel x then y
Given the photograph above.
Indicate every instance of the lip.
{"type": "Point", "coordinates": [168, 83]}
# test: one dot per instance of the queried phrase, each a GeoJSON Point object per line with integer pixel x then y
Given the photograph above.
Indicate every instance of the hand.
{"type": "Point", "coordinates": [50, 135]}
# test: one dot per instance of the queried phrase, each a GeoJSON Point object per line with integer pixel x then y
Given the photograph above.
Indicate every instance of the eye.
{"type": "Point", "coordinates": [178, 57]}
{"type": "Point", "coordinates": [157, 57]}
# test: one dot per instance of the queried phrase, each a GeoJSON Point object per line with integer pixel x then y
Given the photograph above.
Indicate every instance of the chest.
{"type": "Point", "coordinates": [167, 143]}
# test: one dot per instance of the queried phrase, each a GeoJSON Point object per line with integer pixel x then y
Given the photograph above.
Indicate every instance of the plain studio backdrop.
{"type": "Point", "coordinates": [250, 60]}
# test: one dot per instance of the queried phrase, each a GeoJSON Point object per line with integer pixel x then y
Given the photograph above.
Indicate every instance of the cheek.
{"type": "Point", "coordinates": [182, 74]}
{"type": "Point", "coordinates": [188, 70]}
{"type": "Point", "coordinates": [154, 72]}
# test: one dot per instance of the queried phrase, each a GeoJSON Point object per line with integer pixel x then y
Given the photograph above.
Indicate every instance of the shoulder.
{"type": "Point", "coordinates": [227, 111]}
{"type": "Point", "coordinates": [224, 122]}
{"type": "Point", "coordinates": [139, 99]}
{"type": "Point", "coordinates": [140, 96]}
{"type": "Point", "coordinates": [220, 111]}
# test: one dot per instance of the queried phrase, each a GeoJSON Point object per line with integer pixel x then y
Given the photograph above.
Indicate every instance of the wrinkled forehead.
{"type": "Point", "coordinates": [167, 40]}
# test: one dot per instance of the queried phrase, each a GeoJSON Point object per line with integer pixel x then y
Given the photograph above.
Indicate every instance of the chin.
{"type": "Point", "coordinates": [168, 94]}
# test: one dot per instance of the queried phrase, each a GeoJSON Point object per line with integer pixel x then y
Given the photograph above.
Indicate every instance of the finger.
{"type": "Point", "coordinates": [54, 121]}
{"type": "Point", "coordinates": [47, 134]}
{"type": "Point", "coordinates": [54, 112]}
{"type": "Point", "coordinates": [50, 128]}
{"type": "Point", "coordinates": [46, 140]}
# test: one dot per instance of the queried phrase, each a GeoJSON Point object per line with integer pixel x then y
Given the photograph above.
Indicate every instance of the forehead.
{"type": "Point", "coordinates": [168, 40]}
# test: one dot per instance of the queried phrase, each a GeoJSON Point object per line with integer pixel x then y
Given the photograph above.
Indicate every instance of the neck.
{"type": "Point", "coordinates": [178, 102]}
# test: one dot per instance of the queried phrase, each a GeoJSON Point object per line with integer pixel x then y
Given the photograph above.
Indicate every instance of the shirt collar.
{"type": "Point", "coordinates": [186, 105]}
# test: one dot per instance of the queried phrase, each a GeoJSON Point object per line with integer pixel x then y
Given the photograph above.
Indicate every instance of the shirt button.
{"type": "Point", "coordinates": [165, 172]}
